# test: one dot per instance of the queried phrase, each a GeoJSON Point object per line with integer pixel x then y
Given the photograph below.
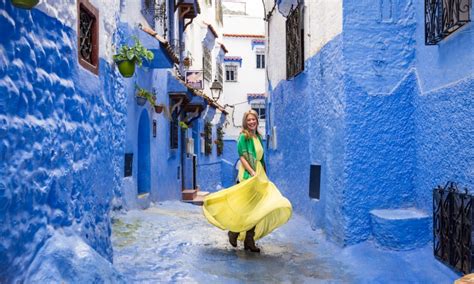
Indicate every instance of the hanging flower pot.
{"type": "Point", "coordinates": [143, 96]}
{"type": "Point", "coordinates": [159, 108]}
{"type": "Point", "coordinates": [187, 62]}
{"type": "Point", "coordinates": [141, 100]}
{"type": "Point", "coordinates": [25, 4]}
{"type": "Point", "coordinates": [128, 56]}
{"type": "Point", "coordinates": [127, 68]}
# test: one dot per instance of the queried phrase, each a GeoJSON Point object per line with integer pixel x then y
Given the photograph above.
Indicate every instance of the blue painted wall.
{"type": "Point", "coordinates": [164, 161]}
{"type": "Point", "coordinates": [61, 140]}
{"type": "Point", "coordinates": [387, 117]}
{"type": "Point", "coordinates": [209, 166]}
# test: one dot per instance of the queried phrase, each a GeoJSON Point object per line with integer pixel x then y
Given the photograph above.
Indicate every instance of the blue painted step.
{"type": "Point", "coordinates": [401, 229]}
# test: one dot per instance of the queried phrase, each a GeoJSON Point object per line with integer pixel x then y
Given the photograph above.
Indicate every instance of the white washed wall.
{"type": "Point", "coordinates": [249, 78]}
{"type": "Point", "coordinates": [324, 24]}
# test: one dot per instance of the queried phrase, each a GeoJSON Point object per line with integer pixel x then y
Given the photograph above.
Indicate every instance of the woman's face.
{"type": "Point", "coordinates": [252, 122]}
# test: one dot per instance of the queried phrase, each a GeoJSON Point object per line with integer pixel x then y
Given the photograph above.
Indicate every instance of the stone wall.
{"type": "Point", "coordinates": [61, 140]}
{"type": "Point", "coordinates": [386, 117]}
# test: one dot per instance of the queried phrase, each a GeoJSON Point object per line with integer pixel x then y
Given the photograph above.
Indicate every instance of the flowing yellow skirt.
{"type": "Point", "coordinates": [253, 202]}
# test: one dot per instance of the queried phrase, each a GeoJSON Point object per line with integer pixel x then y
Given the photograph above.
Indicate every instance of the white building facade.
{"type": "Point", "coordinates": [244, 64]}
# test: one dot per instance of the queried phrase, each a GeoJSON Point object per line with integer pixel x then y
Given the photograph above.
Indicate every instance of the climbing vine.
{"type": "Point", "coordinates": [208, 138]}
{"type": "Point", "coordinates": [220, 141]}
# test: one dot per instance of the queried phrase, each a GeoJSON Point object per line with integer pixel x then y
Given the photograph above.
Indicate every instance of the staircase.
{"type": "Point", "coordinates": [401, 229]}
{"type": "Point", "coordinates": [194, 196]}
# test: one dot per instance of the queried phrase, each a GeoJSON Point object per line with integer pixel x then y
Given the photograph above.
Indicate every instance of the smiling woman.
{"type": "Point", "coordinates": [254, 207]}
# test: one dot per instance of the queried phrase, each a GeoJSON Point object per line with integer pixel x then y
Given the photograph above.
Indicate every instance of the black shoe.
{"type": "Point", "coordinates": [249, 242]}
{"type": "Point", "coordinates": [233, 238]}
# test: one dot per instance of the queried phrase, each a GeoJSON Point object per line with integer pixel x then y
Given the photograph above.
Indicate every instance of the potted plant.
{"type": "Point", "coordinates": [143, 95]}
{"type": "Point", "coordinates": [128, 56]}
{"type": "Point", "coordinates": [187, 62]}
{"type": "Point", "coordinates": [183, 125]}
{"type": "Point", "coordinates": [159, 108]}
{"type": "Point", "coordinates": [219, 141]}
{"type": "Point", "coordinates": [25, 4]}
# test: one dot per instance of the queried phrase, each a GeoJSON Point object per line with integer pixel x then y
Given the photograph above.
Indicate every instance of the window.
{"type": "Point", "coordinates": [442, 18]}
{"type": "Point", "coordinates": [88, 36]}
{"type": "Point", "coordinates": [259, 108]}
{"type": "Point", "coordinates": [294, 42]}
{"type": "Point", "coordinates": [207, 63]}
{"type": "Point", "coordinates": [231, 73]}
{"type": "Point", "coordinates": [260, 61]}
{"type": "Point", "coordinates": [174, 127]}
{"type": "Point", "coordinates": [219, 72]}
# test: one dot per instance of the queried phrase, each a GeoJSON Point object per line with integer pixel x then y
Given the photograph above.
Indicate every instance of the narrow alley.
{"type": "Point", "coordinates": [140, 139]}
{"type": "Point", "coordinates": [171, 242]}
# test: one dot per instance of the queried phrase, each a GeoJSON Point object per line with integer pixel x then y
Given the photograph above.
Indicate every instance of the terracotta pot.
{"type": "Point", "coordinates": [126, 68]}
{"type": "Point", "coordinates": [25, 4]}
{"type": "Point", "coordinates": [158, 109]}
{"type": "Point", "coordinates": [187, 62]}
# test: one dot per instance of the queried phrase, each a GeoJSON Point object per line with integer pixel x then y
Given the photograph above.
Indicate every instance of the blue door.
{"type": "Point", "coordinates": [144, 171]}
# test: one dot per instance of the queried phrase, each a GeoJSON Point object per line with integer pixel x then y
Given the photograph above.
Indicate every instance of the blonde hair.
{"type": "Point", "coordinates": [245, 128]}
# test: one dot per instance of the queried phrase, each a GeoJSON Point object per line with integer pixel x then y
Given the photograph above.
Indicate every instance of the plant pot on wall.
{"type": "Point", "coordinates": [158, 108]}
{"type": "Point", "coordinates": [126, 68]}
{"type": "Point", "coordinates": [25, 4]}
{"type": "Point", "coordinates": [141, 101]}
{"type": "Point", "coordinates": [128, 56]}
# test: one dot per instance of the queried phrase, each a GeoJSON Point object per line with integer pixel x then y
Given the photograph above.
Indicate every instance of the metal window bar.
{"type": "Point", "coordinates": [260, 61]}
{"type": "Point", "coordinates": [207, 64]}
{"type": "Point", "coordinates": [452, 227]}
{"type": "Point", "coordinates": [174, 129]}
{"type": "Point", "coordinates": [294, 42]}
{"type": "Point", "coordinates": [444, 17]}
{"type": "Point", "coordinates": [219, 72]}
{"type": "Point", "coordinates": [231, 73]}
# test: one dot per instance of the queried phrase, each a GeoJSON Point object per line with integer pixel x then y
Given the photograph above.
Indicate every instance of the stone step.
{"type": "Point", "coordinates": [401, 229]}
{"type": "Point", "coordinates": [189, 194]}
{"type": "Point", "coordinates": [199, 199]}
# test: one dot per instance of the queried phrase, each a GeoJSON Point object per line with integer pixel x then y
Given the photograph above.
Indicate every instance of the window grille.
{"type": "Point", "coordinates": [260, 61]}
{"type": "Point", "coordinates": [260, 109]}
{"type": "Point", "coordinates": [207, 63]}
{"type": "Point", "coordinates": [452, 227]}
{"type": "Point", "coordinates": [294, 42]}
{"type": "Point", "coordinates": [443, 17]}
{"type": "Point", "coordinates": [88, 36]}
{"type": "Point", "coordinates": [155, 10]}
{"type": "Point", "coordinates": [231, 73]}
{"type": "Point", "coordinates": [174, 127]}
{"type": "Point", "coordinates": [219, 73]}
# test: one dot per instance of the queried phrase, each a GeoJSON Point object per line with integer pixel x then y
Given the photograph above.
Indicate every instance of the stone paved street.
{"type": "Point", "coordinates": [172, 242]}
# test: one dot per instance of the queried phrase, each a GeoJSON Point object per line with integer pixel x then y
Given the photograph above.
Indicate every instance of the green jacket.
{"type": "Point", "coordinates": [246, 148]}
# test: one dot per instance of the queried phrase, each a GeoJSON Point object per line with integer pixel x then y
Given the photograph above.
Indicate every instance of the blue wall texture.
{"type": "Point", "coordinates": [386, 117]}
{"type": "Point", "coordinates": [61, 140]}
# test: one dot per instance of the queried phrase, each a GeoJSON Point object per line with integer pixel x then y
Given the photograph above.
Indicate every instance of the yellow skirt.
{"type": "Point", "coordinates": [255, 202]}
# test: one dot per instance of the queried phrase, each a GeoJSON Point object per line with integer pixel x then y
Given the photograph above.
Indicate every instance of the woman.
{"type": "Point", "coordinates": [254, 207]}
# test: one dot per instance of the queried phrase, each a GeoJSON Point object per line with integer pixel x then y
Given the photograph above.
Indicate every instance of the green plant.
{"type": "Point", "coordinates": [220, 141]}
{"type": "Point", "coordinates": [135, 53]}
{"type": "Point", "coordinates": [208, 138]}
{"type": "Point", "coordinates": [183, 125]}
{"type": "Point", "coordinates": [146, 94]}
